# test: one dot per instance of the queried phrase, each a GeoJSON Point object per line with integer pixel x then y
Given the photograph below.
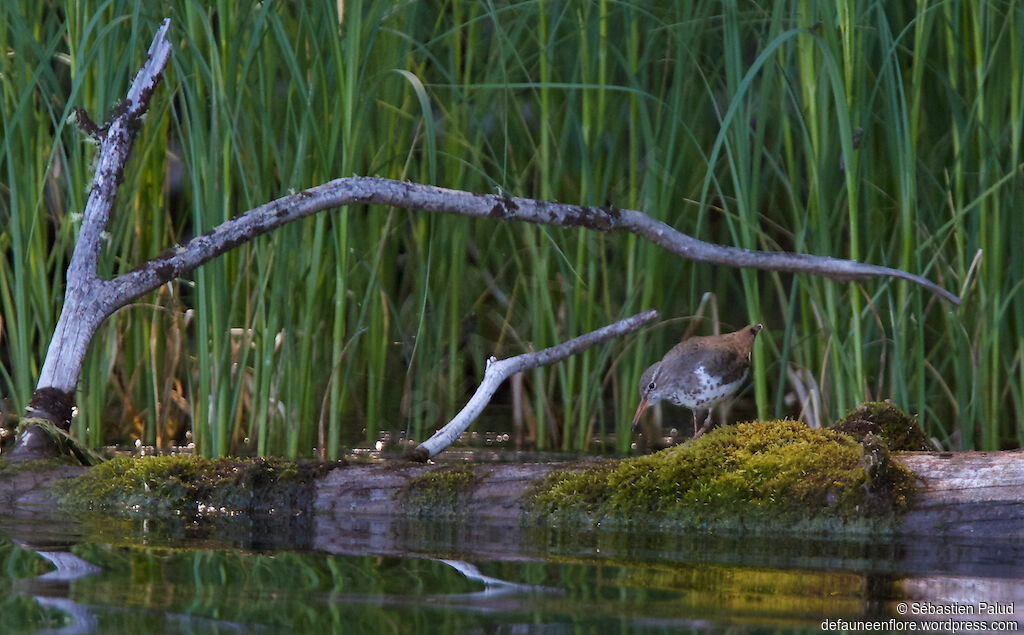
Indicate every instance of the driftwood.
{"type": "Point", "coordinates": [960, 494]}
{"type": "Point", "coordinates": [89, 300]}
{"type": "Point", "coordinates": [967, 494]}
{"type": "Point", "coordinates": [498, 371]}
{"type": "Point", "coordinates": [963, 495]}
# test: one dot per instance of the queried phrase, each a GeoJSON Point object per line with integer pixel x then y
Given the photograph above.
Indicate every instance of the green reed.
{"type": "Point", "coordinates": [884, 133]}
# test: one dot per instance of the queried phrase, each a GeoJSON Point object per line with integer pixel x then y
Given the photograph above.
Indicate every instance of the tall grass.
{"type": "Point", "coordinates": [886, 133]}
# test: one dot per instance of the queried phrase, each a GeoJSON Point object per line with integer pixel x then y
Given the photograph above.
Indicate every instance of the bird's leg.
{"type": "Point", "coordinates": [704, 428]}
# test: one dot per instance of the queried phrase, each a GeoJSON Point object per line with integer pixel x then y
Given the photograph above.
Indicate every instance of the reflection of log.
{"type": "Point", "coordinates": [961, 494]}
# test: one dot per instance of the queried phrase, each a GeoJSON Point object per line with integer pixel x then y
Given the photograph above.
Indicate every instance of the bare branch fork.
{"type": "Point", "coordinates": [89, 300]}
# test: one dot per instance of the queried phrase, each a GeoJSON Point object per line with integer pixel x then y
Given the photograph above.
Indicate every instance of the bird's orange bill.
{"type": "Point", "coordinates": [639, 411]}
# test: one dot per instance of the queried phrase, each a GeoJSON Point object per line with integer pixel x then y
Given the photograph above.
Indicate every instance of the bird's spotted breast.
{"type": "Point", "coordinates": [705, 389]}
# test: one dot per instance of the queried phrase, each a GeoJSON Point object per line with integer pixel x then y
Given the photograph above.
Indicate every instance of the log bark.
{"type": "Point", "coordinates": [962, 495]}
{"type": "Point", "coordinates": [967, 494]}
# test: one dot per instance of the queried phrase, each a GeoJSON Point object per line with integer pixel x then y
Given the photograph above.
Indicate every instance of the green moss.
{"type": "Point", "coordinates": [437, 494]}
{"type": "Point", "coordinates": [574, 494]}
{"type": "Point", "coordinates": [756, 476]}
{"type": "Point", "coordinates": [64, 444]}
{"type": "Point", "coordinates": [189, 486]}
{"type": "Point", "coordinates": [38, 465]}
{"type": "Point", "coordinates": [882, 418]}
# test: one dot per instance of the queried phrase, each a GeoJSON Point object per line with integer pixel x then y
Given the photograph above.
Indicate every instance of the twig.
{"type": "Point", "coordinates": [500, 370]}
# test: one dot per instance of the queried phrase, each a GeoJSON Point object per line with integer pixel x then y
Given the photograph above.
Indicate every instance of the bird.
{"type": "Point", "coordinates": [698, 372]}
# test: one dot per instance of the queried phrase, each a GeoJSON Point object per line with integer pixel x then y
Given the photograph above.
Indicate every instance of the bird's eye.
{"type": "Point", "coordinates": [650, 386]}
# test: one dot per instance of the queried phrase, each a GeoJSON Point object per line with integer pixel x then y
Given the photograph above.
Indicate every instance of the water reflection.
{"type": "Point", "coordinates": [406, 575]}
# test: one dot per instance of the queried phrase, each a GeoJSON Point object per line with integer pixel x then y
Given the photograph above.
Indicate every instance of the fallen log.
{"type": "Point", "coordinates": [959, 494]}
{"type": "Point", "coordinates": [969, 495]}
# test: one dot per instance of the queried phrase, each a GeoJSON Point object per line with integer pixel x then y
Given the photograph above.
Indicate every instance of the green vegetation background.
{"type": "Point", "coordinates": [887, 132]}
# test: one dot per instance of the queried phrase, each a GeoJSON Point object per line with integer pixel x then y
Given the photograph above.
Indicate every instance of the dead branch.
{"type": "Point", "coordinates": [500, 370]}
{"type": "Point", "coordinates": [379, 191]}
{"type": "Point", "coordinates": [86, 303]}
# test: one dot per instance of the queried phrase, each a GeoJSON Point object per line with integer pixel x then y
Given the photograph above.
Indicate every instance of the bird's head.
{"type": "Point", "coordinates": [649, 391]}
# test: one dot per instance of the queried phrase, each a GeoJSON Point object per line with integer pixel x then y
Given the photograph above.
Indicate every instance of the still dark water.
{"type": "Point", "coordinates": [382, 575]}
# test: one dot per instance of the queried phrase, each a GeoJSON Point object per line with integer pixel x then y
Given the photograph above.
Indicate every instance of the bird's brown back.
{"type": "Point", "coordinates": [726, 356]}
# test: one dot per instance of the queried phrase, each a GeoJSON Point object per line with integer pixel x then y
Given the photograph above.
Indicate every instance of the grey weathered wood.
{"type": "Point", "coordinates": [374, 489]}
{"type": "Point", "coordinates": [967, 494]}
{"type": "Point", "coordinates": [378, 191]}
{"type": "Point", "coordinates": [960, 542]}
{"type": "Point", "coordinates": [86, 301]}
{"type": "Point", "coordinates": [25, 491]}
{"type": "Point", "coordinates": [960, 494]}
{"type": "Point", "coordinates": [500, 370]}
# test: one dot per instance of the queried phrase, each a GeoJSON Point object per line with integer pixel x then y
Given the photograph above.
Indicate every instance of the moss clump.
{"type": "Point", "coordinates": [38, 465]}
{"type": "Point", "coordinates": [752, 476]}
{"type": "Point", "coordinates": [579, 495]}
{"type": "Point", "coordinates": [438, 493]}
{"type": "Point", "coordinates": [62, 444]}
{"type": "Point", "coordinates": [190, 486]}
{"type": "Point", "coordinates": [883, 419]}
{"type": "Point", "coordinates": [890, 485]}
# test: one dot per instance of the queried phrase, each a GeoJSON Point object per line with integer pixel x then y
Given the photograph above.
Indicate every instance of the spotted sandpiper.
{"type": "Point", "coordinates": [699, 372]}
